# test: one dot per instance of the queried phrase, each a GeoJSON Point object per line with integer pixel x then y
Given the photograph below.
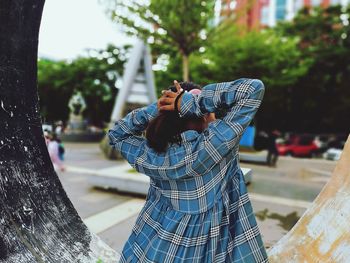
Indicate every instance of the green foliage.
{"type": "Point", "coordinates": [322, 96]}
{"type": "Point", "coordinates": [164, 78]}
{"type": "Point", "coordinates": [266, 55]}
{"type": "Point", "coordinates": [167, 25]}
{"type": "Point", "coordinates": [94, 76]}
{"type": "Point", "coordinates": [304, 65]}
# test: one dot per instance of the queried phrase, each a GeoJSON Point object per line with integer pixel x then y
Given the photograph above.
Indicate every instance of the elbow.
{"type": "Point", "coordinates": [258, 89]}
{"type": "Point", "coordinates": [111, 137]}
{"type": "Point", "coordinates": [116, 133]}
{"type": "Point", "coordinates": [258, 85]}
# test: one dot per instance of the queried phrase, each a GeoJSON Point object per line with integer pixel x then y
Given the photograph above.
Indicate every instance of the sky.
{"type": "Point", "coordinates": [68, 27]}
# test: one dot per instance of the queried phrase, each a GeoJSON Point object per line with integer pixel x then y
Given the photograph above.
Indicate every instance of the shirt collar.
{"type": "Point", "coordinates": [189, 135]}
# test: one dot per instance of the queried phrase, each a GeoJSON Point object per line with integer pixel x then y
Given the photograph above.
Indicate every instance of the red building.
{"type": "Point", "coordinates": [255, 14]}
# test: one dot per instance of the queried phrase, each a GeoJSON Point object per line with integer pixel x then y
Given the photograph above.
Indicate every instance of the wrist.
{"type": "Point", "coordinates": [178, 100]}
{"type": "Point", "coordinates": [189, 105]}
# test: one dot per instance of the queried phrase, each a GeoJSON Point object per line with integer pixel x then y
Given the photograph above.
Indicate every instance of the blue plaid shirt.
{"type": "Point", "coordinates": [197, 208]}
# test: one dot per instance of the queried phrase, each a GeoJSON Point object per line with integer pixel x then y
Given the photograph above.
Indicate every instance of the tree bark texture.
{"type": "Point", "coordinates": [185, 67]}
{"type": "Point", "coordinates": [38, 223]}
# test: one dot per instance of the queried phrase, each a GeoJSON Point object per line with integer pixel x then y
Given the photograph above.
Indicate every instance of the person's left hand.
{"type": "Point", "coordinates": [167, 100]}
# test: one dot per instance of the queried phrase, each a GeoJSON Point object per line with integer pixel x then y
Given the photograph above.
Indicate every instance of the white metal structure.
{"type": "Point", "coordinates": [138, 81]}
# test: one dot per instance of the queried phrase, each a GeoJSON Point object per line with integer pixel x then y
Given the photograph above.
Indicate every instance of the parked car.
{"type": "Point", "coordinates": [335, 150]}
{"type": "Point", "coordinates": [299, 145]}
{"type": "Point", "coordinates": [332, 154]}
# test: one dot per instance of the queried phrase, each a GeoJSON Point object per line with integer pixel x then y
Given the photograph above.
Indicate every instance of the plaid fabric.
{"type": "Point", "coordinates": [197, 208]}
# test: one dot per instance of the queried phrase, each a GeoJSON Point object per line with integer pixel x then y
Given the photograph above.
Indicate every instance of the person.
{"type": "Point", "coordinates": [272, 154]}
{"type": "Point", "coordinates": [59, 128]}
{"type": "Point", "coordinates": [47, 137]}
{"type": "Point", "coordinates": [61, 149]}
{"type": "Point", "coordinates": [54, 152]}
{"type": "Point", "coordinates": [197, 208]}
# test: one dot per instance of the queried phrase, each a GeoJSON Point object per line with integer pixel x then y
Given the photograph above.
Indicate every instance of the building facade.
{"type": "Point", "coordinates": [255, 14]}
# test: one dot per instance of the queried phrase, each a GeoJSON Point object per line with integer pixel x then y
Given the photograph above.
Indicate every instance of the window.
{"type": "Point", "coordinates": [335, 2]}
{"type": "Point", "coordinates": [298, 5]}
{"type": "Point", "coordinates": [265, 15]}
{"type": "Point", "coordinates": [315, 2]}
{"type": "Point", "coordinates": [281, 9]}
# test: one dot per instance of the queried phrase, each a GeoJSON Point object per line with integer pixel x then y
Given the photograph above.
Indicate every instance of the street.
{"type": "Point", "coordinates": [279, 195]}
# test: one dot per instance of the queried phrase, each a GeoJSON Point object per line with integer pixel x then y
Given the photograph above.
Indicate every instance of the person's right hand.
{"type": "Point", "coordinates": [166, 102]}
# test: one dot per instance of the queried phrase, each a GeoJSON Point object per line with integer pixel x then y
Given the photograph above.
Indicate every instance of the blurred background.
{"type": "Point", "coordinates": [300, 49]}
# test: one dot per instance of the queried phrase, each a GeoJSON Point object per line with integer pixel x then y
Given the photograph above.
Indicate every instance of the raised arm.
{"type": "Point", "coordinates": [126, 137]}
{"type": "Point", "coordinates": [242, 98]}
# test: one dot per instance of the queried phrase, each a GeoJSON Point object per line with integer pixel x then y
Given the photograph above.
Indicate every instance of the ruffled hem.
{"type": "Point", "coordinates": [163, 234]}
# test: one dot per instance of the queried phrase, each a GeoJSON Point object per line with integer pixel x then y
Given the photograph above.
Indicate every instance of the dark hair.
{"type": "Point", "coordinates": [54, 137]}
{"type": "Point", "coordinates": [167, 126]}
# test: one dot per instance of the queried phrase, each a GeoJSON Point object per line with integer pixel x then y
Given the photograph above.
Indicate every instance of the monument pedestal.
{"type": "Point", "coordinates": [77, 130]}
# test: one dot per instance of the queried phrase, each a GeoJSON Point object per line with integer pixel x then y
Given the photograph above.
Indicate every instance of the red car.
{"type": "Point", "coordinates": [301, 146]}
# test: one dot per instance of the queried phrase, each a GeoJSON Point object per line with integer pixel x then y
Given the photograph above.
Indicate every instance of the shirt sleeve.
{"type": "Point", "coordinates": [241, 98]}
{"type": "Point", "coordinates": [126, 136]}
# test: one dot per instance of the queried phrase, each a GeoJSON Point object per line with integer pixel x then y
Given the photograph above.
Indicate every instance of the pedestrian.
{"type": "Point", "coordinates": [197, 208]}
{"type": "Point", "coordinates": [47, 137]}
{"type": "Point", "coordinates": [61, 149]}
{"type": "Point", "coordinates": [59, 128]}
{"type": "Point", "coordinates": [272, 154]}
{"type": "Point", "coordinates": [54, 151]}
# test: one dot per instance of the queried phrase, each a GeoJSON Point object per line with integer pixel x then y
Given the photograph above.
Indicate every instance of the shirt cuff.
{"type": "Point", "coordinates": [152, 109]}
{"type": "Point", "coordinates": [188, 106]}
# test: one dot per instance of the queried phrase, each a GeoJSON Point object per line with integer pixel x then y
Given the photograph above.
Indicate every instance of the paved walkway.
{"type": "Point", "coordinates": [279, 196]}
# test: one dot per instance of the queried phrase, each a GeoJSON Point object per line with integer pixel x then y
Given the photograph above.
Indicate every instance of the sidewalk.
{"type": "Point", "coordinates": [112, 214]}
{"type": "Point", "coordinates": [114, 224]}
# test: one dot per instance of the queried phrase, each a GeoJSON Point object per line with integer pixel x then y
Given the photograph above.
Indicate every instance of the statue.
{"type": "Point", "coordinates": [77, 105]}
{"type": "Point", "coordinates": [77, 129]}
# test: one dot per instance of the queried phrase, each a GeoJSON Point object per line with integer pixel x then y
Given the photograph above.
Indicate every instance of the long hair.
{"type": "Point", "coordinates": [167, 126]}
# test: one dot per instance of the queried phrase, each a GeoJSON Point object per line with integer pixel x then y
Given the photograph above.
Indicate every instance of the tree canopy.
{"type": "Point", "coordinates": [265, 55]}
{"type": "Point", "coordinates": [167, 25]}
{"type": "Point", "coordinates": [304, 64]}
{"type": "Point", "coordinates": [94, 76]}
{"type": "Point", "coordinates": [322, 95]}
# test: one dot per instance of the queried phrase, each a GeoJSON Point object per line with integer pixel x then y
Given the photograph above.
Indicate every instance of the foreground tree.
{"type": "Point", "coordinates": [38, 221]}
{"type": "Point", "coordinates": [167, 25]}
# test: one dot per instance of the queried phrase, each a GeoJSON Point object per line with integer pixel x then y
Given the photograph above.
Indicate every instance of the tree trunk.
{"type": "Point", "coordinates": [38, 223]}
{"type": "Point", "coordinates": [185, 67]}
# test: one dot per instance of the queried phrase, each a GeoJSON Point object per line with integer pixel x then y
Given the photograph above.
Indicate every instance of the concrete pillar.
{"type": "Point", "coordinates": [272, 13]}
{"type": "Point", "coordinates": [290, 9]}
{"type": "Point", "coordinates": [322, 234]}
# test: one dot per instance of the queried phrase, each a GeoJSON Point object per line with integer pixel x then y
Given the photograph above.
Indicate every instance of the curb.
{"type": "Point", "coordinates": [120, 179]}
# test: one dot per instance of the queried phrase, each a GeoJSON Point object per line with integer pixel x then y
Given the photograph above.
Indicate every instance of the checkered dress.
{"type": "Point", "coordinates": [197, 208]}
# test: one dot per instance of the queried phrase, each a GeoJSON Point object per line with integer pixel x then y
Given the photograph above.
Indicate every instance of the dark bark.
{"type": "Point", "coordinates": [38, 223]}
{"type": "Point", "coordinates": [185, 68]}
